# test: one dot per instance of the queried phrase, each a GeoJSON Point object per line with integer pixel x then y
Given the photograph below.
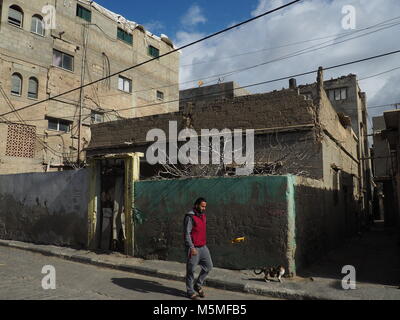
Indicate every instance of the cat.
{"type": "Point", "coordinates": [277, 272]}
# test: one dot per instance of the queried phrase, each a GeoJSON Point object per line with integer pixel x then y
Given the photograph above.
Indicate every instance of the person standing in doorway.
{"type": "Point", "coordinates": [196, 250]}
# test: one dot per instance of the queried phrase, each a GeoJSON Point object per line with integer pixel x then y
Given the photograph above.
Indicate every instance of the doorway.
{"type": "Point", "coordinates": [112, 235]}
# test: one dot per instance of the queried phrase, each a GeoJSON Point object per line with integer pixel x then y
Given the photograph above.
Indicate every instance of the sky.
{"type": "Point", "coordinates": [298, 39]}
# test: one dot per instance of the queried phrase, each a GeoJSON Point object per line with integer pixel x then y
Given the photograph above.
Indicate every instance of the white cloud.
{"type": "Point", "coordinates": [309, 19]}
{"type": "Point", "coordinates": [193, 16]}
{"type": "Point", "coordinates": [154, 26]}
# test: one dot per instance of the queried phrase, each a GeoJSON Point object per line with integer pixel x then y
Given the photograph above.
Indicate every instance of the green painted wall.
{"type": "Point", "coordinates": [254, 207]}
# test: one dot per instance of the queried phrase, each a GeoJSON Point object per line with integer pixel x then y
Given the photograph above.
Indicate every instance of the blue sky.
{"type": "Point", "coordinates": [166, 15]}
{"type": "Point", "coordinates": [268, 41]}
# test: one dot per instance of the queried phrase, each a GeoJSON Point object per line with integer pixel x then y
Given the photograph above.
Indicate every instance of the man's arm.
{"type": "Point", "coordinates": [187, 226]}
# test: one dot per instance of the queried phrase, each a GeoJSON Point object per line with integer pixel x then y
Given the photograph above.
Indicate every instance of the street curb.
{"type": "Point", "coordinates": [237, 286]}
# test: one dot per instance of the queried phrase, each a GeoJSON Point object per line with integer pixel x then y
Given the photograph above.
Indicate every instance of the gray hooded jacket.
{"type": "Point", "coordinates": [187, 229]}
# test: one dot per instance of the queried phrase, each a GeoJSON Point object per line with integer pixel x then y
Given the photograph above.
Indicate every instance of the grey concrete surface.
{"type": "Point", "coordinates": [321, 281]}
{"type": "Point", "coordinates": [21, 279]}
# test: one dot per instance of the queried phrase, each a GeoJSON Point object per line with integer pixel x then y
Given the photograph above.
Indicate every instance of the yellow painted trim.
{"type": "Point", "coordinates": [92, 205]}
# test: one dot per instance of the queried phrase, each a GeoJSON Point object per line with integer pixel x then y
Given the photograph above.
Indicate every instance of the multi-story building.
{"type": "Point", "coordinates": [50, 47]}
{"type": "Point", "coordinates": [350, 103]}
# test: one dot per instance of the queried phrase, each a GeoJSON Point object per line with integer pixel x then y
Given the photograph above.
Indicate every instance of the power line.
{"type": "Point", "coordinates": [378, 74]}
{"type": "Point", "coordinates": [274, 80]}
{"type": "Point", "coordinates": [161, 56]}
{"type": "Point", "coordinates": [385, 105]}
{"type": "Point", "coordinates": [336, 36]}
{"type": "Point", "coordinates": [290, 55]}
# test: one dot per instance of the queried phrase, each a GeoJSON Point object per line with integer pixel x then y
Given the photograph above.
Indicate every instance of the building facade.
{"type": "Point", "coordinates": [350, 103]}
{"type": "Point", "coordinates": [51, 47]}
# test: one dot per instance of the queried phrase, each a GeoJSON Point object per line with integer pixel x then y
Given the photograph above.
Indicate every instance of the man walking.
{"type": "Point", "coordinates": [195, 248]}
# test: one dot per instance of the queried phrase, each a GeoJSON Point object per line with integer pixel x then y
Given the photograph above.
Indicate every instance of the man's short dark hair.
{"type": "Point", "coordinates": [198, 201]}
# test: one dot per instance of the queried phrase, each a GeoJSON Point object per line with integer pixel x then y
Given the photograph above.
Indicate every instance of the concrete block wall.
{"type": "Point", "coordinates": [45, 208]}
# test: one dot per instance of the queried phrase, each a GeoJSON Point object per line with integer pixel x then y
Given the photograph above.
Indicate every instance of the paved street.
{"type": "Point", "coordinates": [21, 278]}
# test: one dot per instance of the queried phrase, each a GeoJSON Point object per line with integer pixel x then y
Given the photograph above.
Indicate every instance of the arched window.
{"type": "Point", "coordinates": [16, 84]}
{"type": "Point", "coordinates": [33, 88]}
{"type": "Point", "coordinates": [37, 25]}
{"type": "Point", "coordinates": [15, 16]}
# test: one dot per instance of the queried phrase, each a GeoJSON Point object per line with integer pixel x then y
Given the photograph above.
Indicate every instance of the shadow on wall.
{"type": "Point", "coordinates": [325, 219]}
{"type": "Point", "coordinates": [37, 225]}
{"type": "Point", "coordinates": [44, 208]}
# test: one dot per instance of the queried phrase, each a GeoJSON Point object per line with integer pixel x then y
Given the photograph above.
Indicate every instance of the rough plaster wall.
{"type": "Point", "coordinates": [324, 218]}
{"type": "Point", "coordinates": [299, 153]}
{"type": "Point", "coordinates": [254, 207]}
{"type": "Point", "coordinates": [47, 208]}
{"type": "Point", "coordinates": [271, 110]}
{"type": "Point", "coordinates": [333, 155]}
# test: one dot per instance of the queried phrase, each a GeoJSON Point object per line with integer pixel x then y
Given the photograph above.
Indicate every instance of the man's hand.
{"type": "Point", "coordinates": [193, 252]}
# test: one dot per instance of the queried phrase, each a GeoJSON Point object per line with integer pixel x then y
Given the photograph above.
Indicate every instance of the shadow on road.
{"type": "Point", "coordinates": [145, 286]}
{"type": "Point", "coordinates": [375, 256]}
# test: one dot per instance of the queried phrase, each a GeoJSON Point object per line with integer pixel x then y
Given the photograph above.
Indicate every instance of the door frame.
{"type": "Point", "coordinates": [132, 174]}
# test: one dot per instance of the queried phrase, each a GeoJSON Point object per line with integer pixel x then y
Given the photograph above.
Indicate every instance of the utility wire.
{"type": "Point", "coordinates": [274, 80]}
{"type": "Point", "coordinates": [290, 55]}
{"type": "Point", "coordinates": [161, 56]}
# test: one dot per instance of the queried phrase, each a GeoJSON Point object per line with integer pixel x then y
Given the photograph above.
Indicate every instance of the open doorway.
{"type": "Point", "coordinates": [112, 205]}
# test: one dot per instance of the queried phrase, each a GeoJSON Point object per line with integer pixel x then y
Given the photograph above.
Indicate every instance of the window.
{"type": "Point", "coordinates": [58, 124]}
{"type": "Point", "coordinates": [124, 36]}
{"type": "Point", "coordinates": [308, 95]}
{"type": "Point", "coordinates": [160, 95]}
{"type": "Point", "coordinates": [124, 84]}
{"type": "Point", "coordinates": [337, 94]}
{"type": "Point", "coordinates": [15, 16]}
{"type": "Point", "coordinates": [154, 52]}
{"type": "Point", "coordinates": [63, 60]}
{"type": "Point", "coordinates": [83, 13]}
{"type": "Point", "coordinates": [16, 84]}
{"type": "Point", "coordinates": [97, 117]}
{"type": "Point", "coordinates": [37, 25]}
{"type": "Point", "coordinates": [33, 88]}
